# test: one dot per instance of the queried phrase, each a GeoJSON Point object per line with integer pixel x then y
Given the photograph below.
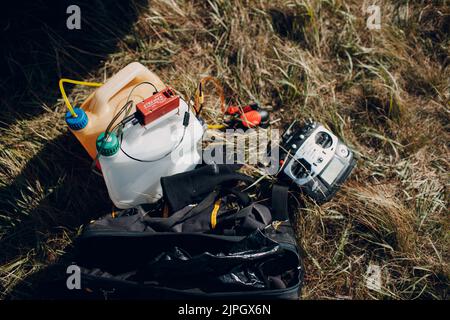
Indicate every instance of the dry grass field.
{"type": "Point", "coordinates": [385, 92]}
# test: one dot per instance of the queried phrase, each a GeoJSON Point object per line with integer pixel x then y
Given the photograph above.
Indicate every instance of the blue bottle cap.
{"type": "Point", "coordinates": [79, 122]}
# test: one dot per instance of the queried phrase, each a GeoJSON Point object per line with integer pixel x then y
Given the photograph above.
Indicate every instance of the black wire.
{"type": "Point", "coordinates": [154, 160]}
{"type": "Point", "coordinates": [168, 153]}
{"type": "Point", "coordinates": [139, 84]}
{"type": "Point", "coordinates": [107, 131]}
{"type": "Point", "coordinates": [128, 105]}
{"type": "Point", "coordinates": [199, 109]}
{"type": "Point", "coordinates": [200, 94]}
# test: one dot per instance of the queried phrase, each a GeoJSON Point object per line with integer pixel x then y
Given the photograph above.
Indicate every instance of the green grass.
{"type": "Point", "coordinates": [385, 92]}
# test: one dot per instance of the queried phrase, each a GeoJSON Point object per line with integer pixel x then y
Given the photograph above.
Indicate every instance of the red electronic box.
{"type": "Point", "coordinates": [157, 105]}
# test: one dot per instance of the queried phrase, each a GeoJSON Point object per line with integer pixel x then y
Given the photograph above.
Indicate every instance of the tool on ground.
{"type": "Point", "coordinates": [249, 116]}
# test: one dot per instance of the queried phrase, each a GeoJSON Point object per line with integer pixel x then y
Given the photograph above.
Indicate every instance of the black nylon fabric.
{"type": "Point", "coordinates": [246, 253]}
{"type": "Point", "coordinates": [280, 208]}
{"type": "Point", "coordinates": [191, 265]}
{"type": "Point", "coordinates": [185, 188]}
{"type": "Point", "coordinates": [237, 269]}
{"type": "Point", "coordinates": [193, 218]}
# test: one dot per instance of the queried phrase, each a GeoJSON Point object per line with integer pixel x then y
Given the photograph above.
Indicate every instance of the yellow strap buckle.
{"type": "Point", "coordinates": [214, 213]}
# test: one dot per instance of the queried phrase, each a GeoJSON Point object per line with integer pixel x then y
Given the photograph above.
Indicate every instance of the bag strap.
{"type": "Point", "coordinates": [181, 215]}
{"type": "Point", "coordinates": [258, 210]}
{"type": "Point", "coordinates": [185, 188]}
{"type": "Point", "coordinates": [280, 206]}
{"type": "Point", "coordinates": [242, 197]}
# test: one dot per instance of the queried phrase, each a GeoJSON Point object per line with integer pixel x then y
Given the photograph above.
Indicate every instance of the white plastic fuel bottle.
{"type": "Point", "coordinates": [133, 163]}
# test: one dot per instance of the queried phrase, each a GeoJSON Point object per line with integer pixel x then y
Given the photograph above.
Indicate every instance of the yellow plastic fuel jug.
{"type": "Point", "coordinates": [99, 109]}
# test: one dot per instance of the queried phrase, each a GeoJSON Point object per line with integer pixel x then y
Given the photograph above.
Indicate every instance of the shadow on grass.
{"type": "Point", "coordinates": [63, 194]}
{"type": "Point", "coordinates": [37, 48]}
{"type": "Point", "coordinates": [56, 192]}
{"type": "Point", "coordinates": [294, 25]}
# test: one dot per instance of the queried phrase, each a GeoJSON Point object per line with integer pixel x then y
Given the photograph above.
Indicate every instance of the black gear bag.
{"type": "Point", "coordinates": [212, 240]}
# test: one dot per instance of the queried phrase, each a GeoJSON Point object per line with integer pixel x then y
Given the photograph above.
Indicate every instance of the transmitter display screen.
{"type": "Point", "coordinates": [332, 171]}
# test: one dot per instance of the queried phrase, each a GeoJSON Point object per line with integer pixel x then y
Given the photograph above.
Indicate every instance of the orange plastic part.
{"type": "Point", "coordinates": [251, 119]}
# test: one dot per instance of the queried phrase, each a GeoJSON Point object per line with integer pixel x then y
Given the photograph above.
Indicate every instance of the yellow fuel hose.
{"type": "Point", "coordinates": [216, 126]}
{"type": "Point", "coordinates": [64, 95]}
{"type": "Point", "coordinates": [199, 95]}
